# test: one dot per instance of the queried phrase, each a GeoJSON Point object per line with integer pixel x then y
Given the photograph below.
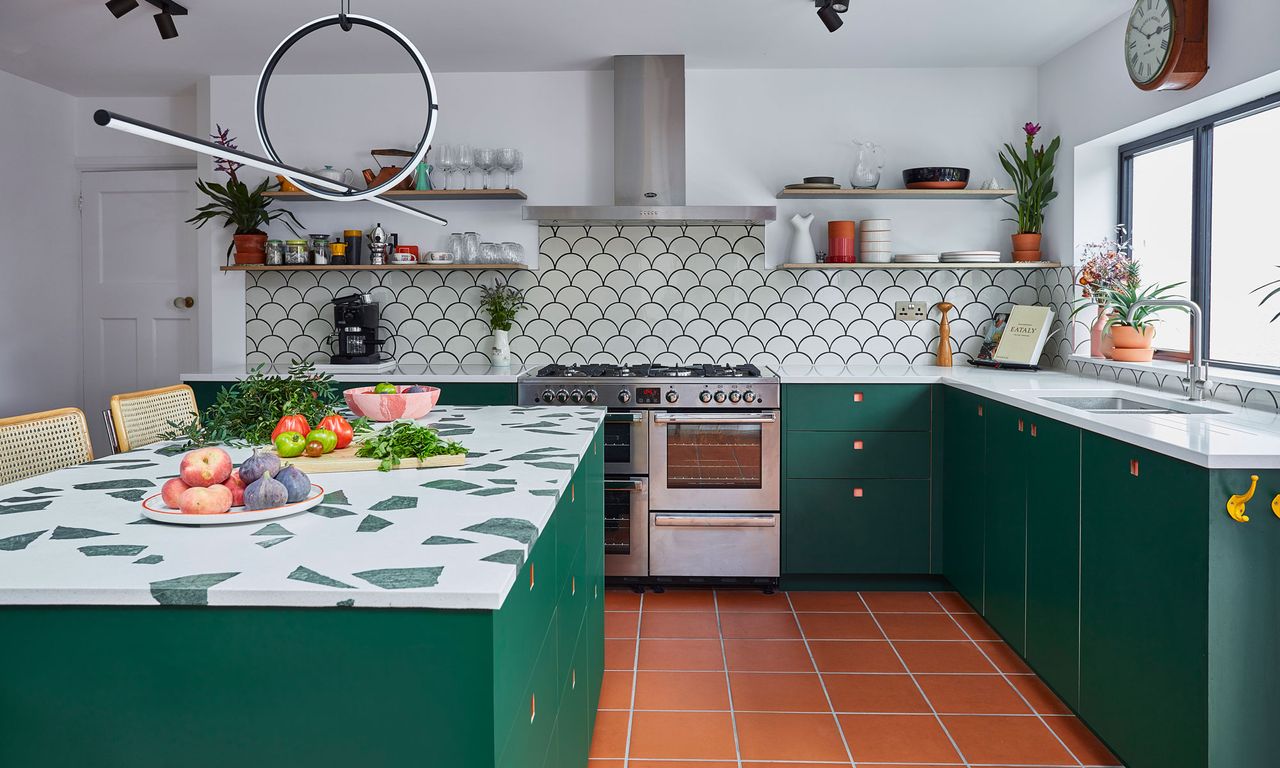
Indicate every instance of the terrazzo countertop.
{"type": "Point", "coordinates": [399, 374]}
{"type": "Point", "coordinates": [439, 538]}
{"type": "Point", "coordinates": [1232, 438]}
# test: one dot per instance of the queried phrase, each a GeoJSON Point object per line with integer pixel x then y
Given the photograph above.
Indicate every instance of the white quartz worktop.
{"type": "Point", "coordinates": [1236, 438]}
{"type": "Point", "coordinates": [402, 373]}
{"type": "Point", "coordinates": [435, 538]}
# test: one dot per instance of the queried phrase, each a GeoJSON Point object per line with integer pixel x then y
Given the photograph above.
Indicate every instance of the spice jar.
{"type": "Point", "coordinates": [295, 252]}
{"type": "Point", "coordinates": [318, 249]}
{"type": "Point", "coordinates": [275, 252]}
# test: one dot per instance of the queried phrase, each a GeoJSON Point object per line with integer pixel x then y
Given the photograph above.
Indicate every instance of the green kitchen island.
{"type": "Point", "coordinates": [443, 617]}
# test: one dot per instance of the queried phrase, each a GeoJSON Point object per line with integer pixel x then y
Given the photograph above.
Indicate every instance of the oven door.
{"type": "Point", "coordinates": [626, 520]}
{"type": "Point", "coordinates": [716, 544]}
{"type": "Point", "coordinates": [626, 443]}
{"type": "Point", "coordinates": [714, 461]}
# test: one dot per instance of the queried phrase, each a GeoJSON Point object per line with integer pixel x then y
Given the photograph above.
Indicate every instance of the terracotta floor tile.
{"type": "Point", "coordinates": [1043, 700]}
{"type": "Point", "coordinates": [773, 736]}
{"type": "Point", "coordinates": [952, 602]}
{"type": "Point", "coordinates": [621, 600]}
{"type": "Point", "coordinates": [687, 764]}
{"type": "Point", "coordinates": [615, 690]}
{"type": "Point", "coordinates": [900, 602]}
{"type": "Point", "coordinates": [905, 738]}
{"type": "Point", "coordinates": [976, 627]}
{"type": "Point", "coordinates": [679, 624]}
{"type": "Point", "coordinates": [620, 625]}
{"type": "Point", "coordinates": [1006, 740]}
{"type": "Point", "coordinates": [931, 656]}
{"type": "Point", "coordinates": [620, 654]}
{"type": "Point", "coordinates": [682, 690]}
{"type": "Point", "coordinates": [604, 763]}
{"type": "Point", "coordinates": [773, 692]}
{"type": "Point", "coordinates": [682, 735]}
{"type": "Point", "coordinates": [681, 654]}
{"type": "Point", "coordinates": [754, 764]}
{"type": "Point", "coordinates": [972, 695]}
{"type": "Point", "coordinates": [680, 600]}
{"type": "Point", "coordinates": [913, 765]}
{"type": "Point", "coordinates": [609, 739]}
{"type": "Point", "coordinates": [1081, 741]}
{"type": "Point", "coordinates": [855, 656]}
{"type": "Point", "coordinates": [919, 626]}
{"type": "Point", "coordinates": [737, 601]}
{"type": "Point", "coordinates": [839, 626]}
{"type": "Point", "coordinates": [759, 625]}
{"type": "Point", "coordinates": [847, 602]}
{"type": "Point", "coordinates": [875, 693]}
{"type": "Point", "coordinates": [767, 656]}
{"type": "Point", "coordinates": [1005, 658]}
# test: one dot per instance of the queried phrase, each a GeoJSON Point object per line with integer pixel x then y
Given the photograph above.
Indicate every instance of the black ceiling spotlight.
{"type": "Point", "coordinates": [119, 8]}
{"type": "Point", "coordinates": [164, 19]}
{"type": "Point", "coordinates": [164, 23]}
{"type": "Point", "coordinates": [829, 11]}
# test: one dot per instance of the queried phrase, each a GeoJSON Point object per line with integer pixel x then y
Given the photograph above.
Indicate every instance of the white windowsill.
{"type": "Point", "coordinates": [1229, 376]}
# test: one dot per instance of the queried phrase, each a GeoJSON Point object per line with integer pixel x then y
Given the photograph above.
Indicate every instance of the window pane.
{"type": "Point", "coordinates": [1246, 162]}
{"type": "Point", "coordinates": [1162, 186]}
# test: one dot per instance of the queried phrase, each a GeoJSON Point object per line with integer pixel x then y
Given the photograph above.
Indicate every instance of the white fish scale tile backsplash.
{"type": "Point", "coordinates": [665, 294]}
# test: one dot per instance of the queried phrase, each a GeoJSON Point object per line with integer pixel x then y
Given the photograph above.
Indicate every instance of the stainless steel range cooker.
{"type": "Point", "coordinates": [692, 464]}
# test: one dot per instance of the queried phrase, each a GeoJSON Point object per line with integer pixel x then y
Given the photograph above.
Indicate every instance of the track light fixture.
{"type": "Point", "coordinates": [119, 8]}
{"type": "Point", "coordinates": [164, 23]}
{"type": "Point", "coordinates": [829, 11]}
{"type": "Point", "coordinates": [164, 19]}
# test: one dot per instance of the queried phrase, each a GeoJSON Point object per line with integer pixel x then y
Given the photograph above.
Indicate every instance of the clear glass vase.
{"type": "Point", "coordinates": [868, 162]}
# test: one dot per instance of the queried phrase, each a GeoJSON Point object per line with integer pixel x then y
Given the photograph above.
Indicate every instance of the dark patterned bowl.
{"type": "Point", "coordinates": [938, 177]}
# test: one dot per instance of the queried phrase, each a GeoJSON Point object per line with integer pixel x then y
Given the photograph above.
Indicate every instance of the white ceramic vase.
{"type": "Point", "coordinates": [500, 354]}
{"type": "Point", "coordinates": [801, 250]}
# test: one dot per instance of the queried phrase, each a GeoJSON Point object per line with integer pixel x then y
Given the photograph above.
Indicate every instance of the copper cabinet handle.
{"type": "Point", "coordinates": [857, 397]}
{"type": "Point", "coordinates": [857, 493]}
{"type": "Point", "coordinates": [857, 445]}
{"type": "Point", "coordinates": [1133, 467]}
{"type": "Point", "coordinates": [1019, 425]}
{"type": "Point", "coordinates": [1033, 430]}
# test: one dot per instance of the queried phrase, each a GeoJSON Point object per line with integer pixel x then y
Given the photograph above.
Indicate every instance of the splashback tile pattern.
{"type": "Point", "coordinates": [665, 294]}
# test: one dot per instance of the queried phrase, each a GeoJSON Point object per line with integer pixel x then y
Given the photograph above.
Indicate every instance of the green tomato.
{"type": "Point", "coordinates": [385, 389]}
{"type": "Point", "coordinates": [290, 444]}
{"type": "Point", "coordinates": [326, 437]}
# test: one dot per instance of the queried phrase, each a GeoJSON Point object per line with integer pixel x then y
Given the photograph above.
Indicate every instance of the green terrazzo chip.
{"type": "Point", "coordinates": [402, 578]}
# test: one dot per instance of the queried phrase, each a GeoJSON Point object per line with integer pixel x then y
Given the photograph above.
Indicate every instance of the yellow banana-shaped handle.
{"type": "Point", "coordinates": [1235, 504]}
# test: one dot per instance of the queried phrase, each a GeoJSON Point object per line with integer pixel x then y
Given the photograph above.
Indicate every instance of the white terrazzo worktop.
{"type": "Point", "coordinates": [402, 373]}
{"type": "Point", "coordinates": [437, 538]}
{"type": "Point", "coordinates": [1237, 438]}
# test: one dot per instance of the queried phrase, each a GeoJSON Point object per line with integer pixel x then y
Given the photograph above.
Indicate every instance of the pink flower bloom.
{"type": "Point", "coordinates": [1032, 129]}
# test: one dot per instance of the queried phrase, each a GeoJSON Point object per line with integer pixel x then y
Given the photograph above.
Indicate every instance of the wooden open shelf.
{"type": "Point", "coordinates": [894, 194]}
{"type": "Point", "coordinates": [361, 267]}
{"type": "Point", "coordinates": [413, 194]}
{"type": "Point", "coordinates": [940, 265]}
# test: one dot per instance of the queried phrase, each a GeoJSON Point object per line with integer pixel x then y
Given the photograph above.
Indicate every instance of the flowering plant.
{"type": "Point", "coordinates": [1108, 264]}
{"type": "Point", "coordinates": [1032, 174]}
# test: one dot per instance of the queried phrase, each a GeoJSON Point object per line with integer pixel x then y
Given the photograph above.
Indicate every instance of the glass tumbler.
{"type": "Point", "coordinates": [511, 253]}
{"type": "Point", "coordinates": [489, 253]}
{"type": "Point", "coordinates": [471, 248]}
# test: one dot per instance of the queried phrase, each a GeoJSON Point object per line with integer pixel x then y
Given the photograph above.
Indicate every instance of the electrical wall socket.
{"type": "Point", "coordinates": [909, 310]}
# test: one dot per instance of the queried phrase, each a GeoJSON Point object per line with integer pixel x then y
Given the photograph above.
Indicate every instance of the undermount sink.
{"type": "Point", "coordinates": [1125, 402]}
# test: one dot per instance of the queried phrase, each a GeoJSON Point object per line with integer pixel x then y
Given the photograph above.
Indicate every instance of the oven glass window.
{"type": "Point", "coordinates": [617, 442]}
{"type": "Point", "coordinates": [617, 520]}
{"type": "Point", "coordinates": [714, 455]}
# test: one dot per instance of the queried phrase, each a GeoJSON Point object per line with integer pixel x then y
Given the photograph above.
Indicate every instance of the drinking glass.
{"type": "Point", "coordinates": [506, 160]}
{"type": "Point", "coordinates": [489, 253]}
{"type": "Point", "coordinates": [457, 246]}
{"type": "Point", "coordinates": [471, 248]}
{"type": "Point", "coordinates": [445, 160]}
{"type": "Point", "coordinates": [463, 159]}
{"type": "Point", "coordinates": [519, 166]}
{"type": "Point", "coordinates": [511, 253]}
{"type": "Point", "coordinates": [485, 162]}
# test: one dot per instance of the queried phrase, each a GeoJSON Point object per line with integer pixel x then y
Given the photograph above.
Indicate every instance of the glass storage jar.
{"type": "Point", "coordinates": [295, 252]}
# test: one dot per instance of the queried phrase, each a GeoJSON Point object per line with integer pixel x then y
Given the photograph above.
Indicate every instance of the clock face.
{"type": "Point", "coordinates": [1148, 38]}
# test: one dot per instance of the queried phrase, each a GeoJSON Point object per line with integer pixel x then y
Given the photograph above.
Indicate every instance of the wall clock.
{"type": "Point", "coordinates": [1166, 44]}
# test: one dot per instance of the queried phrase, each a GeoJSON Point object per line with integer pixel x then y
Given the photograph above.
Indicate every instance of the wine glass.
{"type": "Point", "coordinates": [445, 160]}
{"type": "Point", "coordinates": [519, 166]}
{"type": "Point", "coordinates": [463, 159]}
{"type": "Point", "coordinates": [506, 160]}
{"type": "Point", "coordinates": [485, 162]}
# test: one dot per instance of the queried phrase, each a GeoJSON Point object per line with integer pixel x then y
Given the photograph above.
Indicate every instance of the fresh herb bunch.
{"type": "Point", "coordinates": [403, 440]}
{"type": "Point", "coordinates": [501, 302]}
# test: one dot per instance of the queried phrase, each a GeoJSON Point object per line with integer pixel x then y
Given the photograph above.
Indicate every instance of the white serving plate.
{"type": "Point", "coordinates": [966, 254]}
{"type": "Point", "coordinates": [907, 258]}
{"type": "Point", "coordinates": [154, 508]}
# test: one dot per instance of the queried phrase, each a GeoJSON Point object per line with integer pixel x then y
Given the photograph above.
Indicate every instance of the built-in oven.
{"type": "Point", "coordinates": [714, 461]}
{"type": "Point", "coordinates": [626, 442]}
{"type": "Point", "coordinates": [626, 520]}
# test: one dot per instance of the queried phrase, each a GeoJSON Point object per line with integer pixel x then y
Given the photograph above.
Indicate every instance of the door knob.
{"type": "Point", "coordinates": [184, 302]}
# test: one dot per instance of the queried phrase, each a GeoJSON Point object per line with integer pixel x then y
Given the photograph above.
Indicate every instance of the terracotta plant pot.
{"type": "Point", "coordinates": [1128, 337]}
{"type": "Point", "coordinates": [251, 249]}
{"type": "Point", "coordinates": [1132, 355]}
{"type": "Point", "coordinates": [1027, 256]}
{"type": "Point", "coordinates": [1026, 241]}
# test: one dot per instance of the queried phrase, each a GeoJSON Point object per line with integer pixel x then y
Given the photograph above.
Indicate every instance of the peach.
{"type": "Point", "coordinates": [210, 500]}
{"type": "Point", "coordinates": [172, 490]}
{"type": "Point", "coordinates": [236, 486]}
{"type": "Point", "coordinates": [204, 467]}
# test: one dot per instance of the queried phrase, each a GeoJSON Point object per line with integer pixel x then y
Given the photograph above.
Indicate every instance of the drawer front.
{"type": "Point", "coordinates": [857, 526]}
{"type": "Point", "coordinates": [726, 544]}
{"type": "Point", "coordinates": [571, 528]}
{"type": "Point", "coordinates": [836, 407]}
{"type": "Point", "coordinates": [574, 594]}
{"type": "Point", "coordinates": [889, 455]}
{"type": "Point", "coordinates": [534, 715]}
{"type": "Point", "coordinates": [574, 720]}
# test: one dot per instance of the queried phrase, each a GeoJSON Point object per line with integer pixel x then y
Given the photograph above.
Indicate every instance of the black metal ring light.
{"type": "Point", "coordinates": [346, 21]}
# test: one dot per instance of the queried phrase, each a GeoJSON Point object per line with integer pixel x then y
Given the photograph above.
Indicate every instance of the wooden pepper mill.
{"type": "Point", "coordinates": [944, 335]}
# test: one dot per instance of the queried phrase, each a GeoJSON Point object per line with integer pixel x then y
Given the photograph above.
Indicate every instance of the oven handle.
{"type": "Point", "coordinates": [715, 418]}
{"type": "Point", "coordinates": [630, 486]}
{"type": "Point", "coordinates": [716, 521]}
{"type": "Point", "coordinates": [632, 417]}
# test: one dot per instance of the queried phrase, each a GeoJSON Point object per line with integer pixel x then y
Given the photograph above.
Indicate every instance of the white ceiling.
{"type": "Point", "coordinates": [76, 46]}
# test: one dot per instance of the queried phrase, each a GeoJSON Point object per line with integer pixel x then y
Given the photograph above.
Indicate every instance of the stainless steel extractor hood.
{"type": "Point", "coordinates": [648, 155]}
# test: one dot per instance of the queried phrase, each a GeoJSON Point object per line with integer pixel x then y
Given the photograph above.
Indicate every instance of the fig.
{"type": "Point", "coordinates": [258, 465]}
{"type": "Point", "coordinates": [296, 483]}
{"type": "Point", "coordinates": [416, 388]}
{"type": "Point", "coordinates": [265, 492]}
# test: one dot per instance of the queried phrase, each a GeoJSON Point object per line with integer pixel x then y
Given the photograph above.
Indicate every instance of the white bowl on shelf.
{"type": "Point", "coordinates": [875, 257]}
{"type": "Point", "coordinates": [876, 237]}
{"type": "Point", "coordinates": [875, 225]}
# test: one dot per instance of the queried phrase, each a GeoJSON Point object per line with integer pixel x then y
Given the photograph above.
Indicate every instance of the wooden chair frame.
{"type": "Point", "coordinates": [49, 415]}
{"type": "Point", "coordinates": [118, 426]}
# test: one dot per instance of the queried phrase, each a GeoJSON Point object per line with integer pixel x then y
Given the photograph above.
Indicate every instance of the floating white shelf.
{"type": "Point", "coordinates": [361, 267]}
{"type": "Point", "coordinates": [894, 194]}
{"type": "Point", "coordinates": [939, 265]}
{"type": "Point", "coordinates": [413, 194]}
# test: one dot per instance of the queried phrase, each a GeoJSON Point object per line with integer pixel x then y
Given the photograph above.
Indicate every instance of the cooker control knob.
{"type": "Point", "coordinates": [562, 396]}
{"type": "Point", "coordinates": [719, 397]}
{"type": "Point", "coordinates": [576, 395]}
{"type": "Point", "coordinates": [748, 396]}
{"type": "Point", "coordinates": [624, 396]}
{"type": "Point", "coordinates": [548, 395]}
{"type": "Point", "coordinates": [592, 395]}
{"type": "Point", "coordinates": [704, 396]}
{"type": "Point", "coordinates": [672, 396]}
{"type": "Point", "coordinates": [735, 396]}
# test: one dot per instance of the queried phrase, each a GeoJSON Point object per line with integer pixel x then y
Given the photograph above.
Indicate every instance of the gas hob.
{"type": "Point", "coordinates": [647, 385]}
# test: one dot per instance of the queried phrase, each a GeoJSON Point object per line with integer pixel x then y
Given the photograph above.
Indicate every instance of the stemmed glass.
{"type": "Point", "coordinates": [463, 160]}
{"type": "Point", "coordinates": [485, 162]}
{"type": "Point", "coordinates": [445, 161]}
{"type": "Point", "coordinates": [519, 166]}
{"type": "Point", "coordinates": [506, 160]}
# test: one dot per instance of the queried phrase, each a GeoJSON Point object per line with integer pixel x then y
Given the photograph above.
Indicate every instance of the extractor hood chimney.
{"type": "Point", "coordinates": [648, 155]}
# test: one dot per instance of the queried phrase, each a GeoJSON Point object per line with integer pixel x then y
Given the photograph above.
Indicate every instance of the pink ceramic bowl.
{"type": "Point", "coordinates": [403, 405]}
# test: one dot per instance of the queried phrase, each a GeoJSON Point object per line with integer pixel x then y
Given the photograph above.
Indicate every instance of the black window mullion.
{"type": "Point", "coordinates": [1202, 230]}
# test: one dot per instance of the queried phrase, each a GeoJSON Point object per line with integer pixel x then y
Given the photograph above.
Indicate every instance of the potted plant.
{"type": "Point", "coordinates": [241, 207]}
{"type": "Point", "coordinates": [1032, 174]}
{"type": "Point", "coordinates": [501, 302]}
{"type": "Point", "coordinates": [1133, 337]}
{"type": "Point", "coordinates": [1107, 265]}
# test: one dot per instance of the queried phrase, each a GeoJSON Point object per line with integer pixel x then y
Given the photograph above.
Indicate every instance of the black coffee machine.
{"type": "Point", "coordinates": [355, 323]}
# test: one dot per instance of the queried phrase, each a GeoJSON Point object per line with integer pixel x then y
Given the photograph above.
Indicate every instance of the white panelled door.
{"type": "Point", "coordinates": [139, 270]}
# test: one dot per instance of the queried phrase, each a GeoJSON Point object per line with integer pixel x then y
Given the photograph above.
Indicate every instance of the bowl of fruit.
{"type": "Point", "coordinates": [387, 402]}
{"type": "Point", "coordinates": [210, 491]}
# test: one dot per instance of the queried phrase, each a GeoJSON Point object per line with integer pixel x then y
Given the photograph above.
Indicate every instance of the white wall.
{"type": "Point", "coordinates": [40, 360]}
{"type": "Point", "coordinates": [98, 147]}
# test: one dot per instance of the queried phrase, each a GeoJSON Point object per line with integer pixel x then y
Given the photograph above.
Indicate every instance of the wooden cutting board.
{"type": "Point", "coordinates": [345, 460]}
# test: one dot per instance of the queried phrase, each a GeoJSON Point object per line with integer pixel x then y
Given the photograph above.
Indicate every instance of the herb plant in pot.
{"type": "Point", "coordinates": [1133, 338]}
{"type": "Point", "coordinates": [501, 302]}
{"type": "Point", "coordinates": [238, 206]}
{"type": "Point", "coordinates": [1032, 174]}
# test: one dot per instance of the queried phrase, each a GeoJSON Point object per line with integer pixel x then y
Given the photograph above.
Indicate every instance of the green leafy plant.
{"type": "Point", "coordinates": [403, 440]}
{"type": "Point", "coordinates": [501, 302]}
{"type": "Point", "coordinates": [1032, 174]}
{"type": "Point", "coordinates": [1270, 295]}
{"type": "Point", "coordinates": [1121, 299]}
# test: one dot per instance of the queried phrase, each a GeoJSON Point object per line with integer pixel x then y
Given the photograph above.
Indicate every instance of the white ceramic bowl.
{"type": "Point", "coordinates": [876, 237]}
{"type": "Point", "coordinates": [875, 257]}
{"type": "Point", "coordinates": [875, 224]}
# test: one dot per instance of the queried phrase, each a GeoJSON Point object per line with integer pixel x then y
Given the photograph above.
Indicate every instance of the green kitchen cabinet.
{"type": "Point", "coordinates": [451, 392]}
{"type": "Point", "coordinates": [1005, 526]}
{"type": "Point", "coordinates": [964, 492]}
{"type": "Point", "coordinates": [885, 407]}
{"type": "Point", "coordinates": [857, 526]}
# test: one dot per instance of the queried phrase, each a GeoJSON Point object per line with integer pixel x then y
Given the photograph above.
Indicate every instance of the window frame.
{"type": "Point", "coordinates": [1200, 132]}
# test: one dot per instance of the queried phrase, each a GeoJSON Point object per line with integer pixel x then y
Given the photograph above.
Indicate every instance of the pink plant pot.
{"type": "Point", "coordinates": [403, 405]}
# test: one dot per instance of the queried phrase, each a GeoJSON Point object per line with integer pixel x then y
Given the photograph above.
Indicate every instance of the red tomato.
{"type": "Point", "coordinates": [338, 426]}
{"type": "Point", "coordinates": [293, 423]}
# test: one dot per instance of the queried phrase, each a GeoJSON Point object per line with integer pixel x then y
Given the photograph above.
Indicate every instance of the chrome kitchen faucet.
{"type": "Point", "coordinates": [1197, 376]}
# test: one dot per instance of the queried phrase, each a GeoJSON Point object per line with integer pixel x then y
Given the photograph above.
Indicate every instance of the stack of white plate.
{"type": "Point", "coordinates": [916, 258]}
{"type": "Point", "coordinates": [875, 241]}
{"type": "Point", "coordinates": [971, 257]}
